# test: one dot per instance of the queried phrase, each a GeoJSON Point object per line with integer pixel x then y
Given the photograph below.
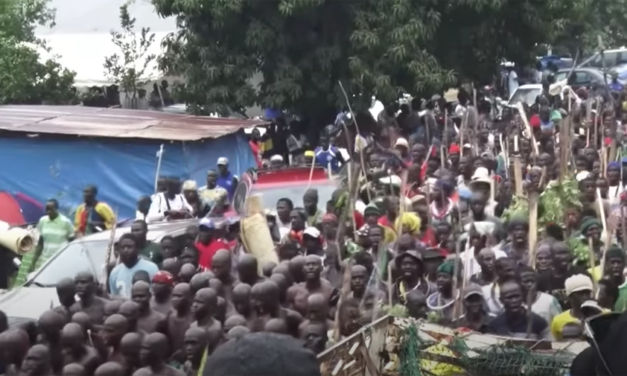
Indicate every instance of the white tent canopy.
{"type": "Point", "coordinates": [85, 54]}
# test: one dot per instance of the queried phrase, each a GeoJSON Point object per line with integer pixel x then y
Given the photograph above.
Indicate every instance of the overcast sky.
{"type": "Point", "coordinates": [101, 16]}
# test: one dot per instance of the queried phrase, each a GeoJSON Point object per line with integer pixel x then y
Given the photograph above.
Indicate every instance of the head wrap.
{"type": "Point", "coordinates": [615, 251]}
{"type": "Point", "coordinates": [163, 277]}
{"type": "Point", "coordinates": [588, 222]}
{"type": "Point", "coordinates": [614, 164]}
{"type": "Point", "coordinates": [372, 209]}
{"type": "Point", "coordinates": [409, 220]}
{"type": "Point", "coordinates": [447, 267]}
{"type": "Point", "coordinates": [329, 217]}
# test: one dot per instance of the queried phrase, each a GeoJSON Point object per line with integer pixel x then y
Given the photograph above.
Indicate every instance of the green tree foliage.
{"type": "Point", "coordinates": [375, 47]}
{"type": "Point", "coordinates": [24, 78]}
{"type": "Point", "coordinates": [129, 68]}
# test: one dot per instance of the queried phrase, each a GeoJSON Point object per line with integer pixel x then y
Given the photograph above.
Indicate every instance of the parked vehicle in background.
{"type": "Point", "coordinates": [582, 77]}
{"type": "Point", "coordinates": [610, 59]}
{"type": "Point", "coordinates": [85, 254]}
{"type": "Point", "coordinates": [290, 182]}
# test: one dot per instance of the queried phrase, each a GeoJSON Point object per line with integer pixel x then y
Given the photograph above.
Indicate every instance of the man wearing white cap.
{"type": "Point", "coordinates": [403, 148]}
{"type": "Point", "coordinates": [276, 162]}
{"type": "Point", "coordinates": [226, 179]}
{"type": "Point", "coordinates": [579, 290]}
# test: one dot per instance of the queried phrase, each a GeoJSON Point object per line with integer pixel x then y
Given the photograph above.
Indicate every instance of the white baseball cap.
{"type": "Point", "coordinates": [401, 142]}
{"type": "Point", "coordinates": [578, 282]}
{"type": "Point", "coordinates": [312, 231]}
{"type": "Point", "coordinates": [223, 161]}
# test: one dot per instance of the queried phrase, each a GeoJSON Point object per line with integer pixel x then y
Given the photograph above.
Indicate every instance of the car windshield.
{"type": "Point", "coordinates": [526, 95]}
{"type": "Point", "coordinates": [271, 194]}
{"type": "Point", "coordinates": [76, 257]}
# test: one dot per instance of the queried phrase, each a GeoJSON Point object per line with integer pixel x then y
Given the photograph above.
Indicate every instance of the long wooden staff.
{"type": "Point", "coordinates": [110, 246]}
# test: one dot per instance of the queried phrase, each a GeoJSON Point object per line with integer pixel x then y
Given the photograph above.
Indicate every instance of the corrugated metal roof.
{"type": "Point", "coordinates": [111, 122]}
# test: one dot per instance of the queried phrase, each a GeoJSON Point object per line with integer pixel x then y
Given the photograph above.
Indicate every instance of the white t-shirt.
{"type": "Point", "coordinates": [512, 82]}
{"type": "Point", "coordinates": [160, 204]}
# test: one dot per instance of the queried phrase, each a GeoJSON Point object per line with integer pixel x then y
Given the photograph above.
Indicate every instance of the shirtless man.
{"type": "Point", "coordinates": [296, 267]}
{"type": "Point", "coordinates": [315, 335]}
{"type": "Point", "coordinates": [149, 321]}
{"type": "Point", "coordinates": [297, 295]}
{"type": "Point", "coordinates": [110, 369]}
{"type": "Point", "coordinates": [162, 284]}
{"type": "Point", "coordinates": [232, 322]}
{"type": "Point", "coordinates": [247, 270]}
{"type": "Point", "coordinates": [172, 266]}
{"type": "Point", "coordinates": [265, 296]}
{"type": "Point", "coordinates": [278, 326]}
{"type": "Point", "coordinates": [283, 269]}
{"type": "Point", "coordinates": [50, 325]}
{"type": "Point", "coordinates": [37, 362]}
{"type": "Point", "coordinates": [317, 312]}
{"type": "Point", "coordinates": [75, 350]}
{"type": "Point", "coordinates": [66, 293]}
{"type": "Point", "coordinates": [195, 343]}
{"type": "Point", "coordinates": [113, 330]}
{"type": "Point", "coordinates": [203, 308]}
{"type": "Point", "coordinates": [129, 346]}
{"type": "Point", "coordinates": [180, 317]}
{"type": "Point", "coordinates": [199, 281]}
{"type": "Point", "coordinates": [112, 307]}
{"type": "Point", "coordinates": [89, 302]}
{"type": "Point", "coordinates": [221, 266]}
{"type": "Point", "coordinates": [280, 281]}
{"type": "Point", "coordinates": [241, 301]}
{"type": "Point", "coordinates": [153, 355]}
{"type": "Point", "coordinates": [13, 347]}
{"type": "Point", "coordinates": [130, 311]}
{"type": "Point", "coordinates": [73, 369]}
{"type": "Point", "coordinates": [188, 271]}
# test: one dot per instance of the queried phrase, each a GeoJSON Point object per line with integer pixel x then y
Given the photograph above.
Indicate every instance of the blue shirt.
{"type": "Point", "coordinates": [324, 157]}
{"type": "Point", "coordinates": [121, 277]}
{"type": "Point", "coordinates": [226, 182]}
{"type": "Point", "coordinates": [616, 86]}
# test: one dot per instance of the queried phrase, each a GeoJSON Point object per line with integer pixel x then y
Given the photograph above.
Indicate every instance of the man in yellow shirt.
{"type": "Point", "coordinates": [579, 290]}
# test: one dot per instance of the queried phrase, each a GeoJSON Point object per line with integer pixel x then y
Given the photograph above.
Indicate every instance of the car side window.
{"type": "Point", "coordinates": [581, 78]}
{"type": "Point", "coordinates": [239, 197]}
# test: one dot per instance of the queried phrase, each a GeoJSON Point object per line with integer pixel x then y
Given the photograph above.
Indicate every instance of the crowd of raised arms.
{"type": "Point", "coordinates": [511, 228]}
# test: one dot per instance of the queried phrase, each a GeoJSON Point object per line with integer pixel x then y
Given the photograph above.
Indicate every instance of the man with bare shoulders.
{"type": "Point", "coordinates": [149, 321]}
{"type": "Point", "coordinates": [50, 325]}
{"type": "Point", "coordinates": [37, 362]}
{"type": "Point", "coordinates": [75, 350]}
{"type": "Point", "coordinates": [265, 296]}
{"type": "Point", "coordinates": [162, 284]}
{"type": "Point", "coordinates": [115, 326]}
{"type": "Point", "coordinates": [221, 266]}
{"type": "Point", "coordinates": [89, 303]}
{"type": "Point", "coordinates": [242, 302]}
{"type": "Point", "coordinates": [66, 292]}
{"type": "Point", "coordinates": [296, 268]}
{"type": "Point", "coordinates": [317, 312]}
{"type": "Point", "coordinates": [203, 308]}
{"type": "Point", "coordinates": [195, 344]}
{"type": "Point", "coordinates": [130, 311]}
{"type": "Point", "coordinates": [180, 317]}
{"type": "Point", "coordinates": [13, 347]}
{"type": "Point", "coordinates": [130, 346]}
{"type": "Point", "coordinates": [297, 295]}
{"type": "Point", "coordinates": [153, 353]}
{"type": "Point", "coordinates": [247, 270]}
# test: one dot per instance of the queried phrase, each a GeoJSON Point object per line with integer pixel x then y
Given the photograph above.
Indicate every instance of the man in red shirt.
{"type": "Point", "coordinates": [207, 244]}
{"type": "Point", "coordinates": [255, 146]}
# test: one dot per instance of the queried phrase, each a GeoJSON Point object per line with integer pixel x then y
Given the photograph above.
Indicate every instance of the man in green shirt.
{"type": "Point", "coordinates": [147, 249]}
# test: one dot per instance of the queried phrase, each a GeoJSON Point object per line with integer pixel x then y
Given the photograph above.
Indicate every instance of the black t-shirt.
{"type": "Point", "coordinates": [500, 326]}
{"type": "Point", "coordinates": [553, 285]}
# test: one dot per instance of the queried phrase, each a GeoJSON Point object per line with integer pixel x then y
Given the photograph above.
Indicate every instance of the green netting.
{"type": "Point", "coordinates": [410, 352]}
{"type": "Point", "coordinates": [416, 358]}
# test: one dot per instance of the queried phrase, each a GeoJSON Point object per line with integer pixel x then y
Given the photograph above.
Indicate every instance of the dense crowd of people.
{"type": "Point", "coordinates": [430, 220]}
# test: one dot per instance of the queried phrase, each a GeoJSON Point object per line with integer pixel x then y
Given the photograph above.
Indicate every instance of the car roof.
{"type": "Point", "coordinates": [155, 230]}
{"type": "Point", "coordinates": [531, 86]}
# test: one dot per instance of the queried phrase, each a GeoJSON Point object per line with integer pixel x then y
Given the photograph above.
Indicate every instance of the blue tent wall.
{"type": "Point", "coordinates": [122, 169]}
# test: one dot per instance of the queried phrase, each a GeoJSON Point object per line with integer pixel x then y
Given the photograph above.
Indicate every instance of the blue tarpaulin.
{"type": "Point", "coordinates": [123, 169]}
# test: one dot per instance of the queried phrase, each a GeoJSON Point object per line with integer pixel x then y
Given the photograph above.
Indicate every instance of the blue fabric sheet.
{"type": "Point", "coordinates": [122, 169]}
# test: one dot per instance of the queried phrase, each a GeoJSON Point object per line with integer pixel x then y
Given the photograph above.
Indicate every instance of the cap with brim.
{"type": "Point", "coordinates": [413, 254]}
{"type": "Point", "coordinates": [472, 289]}
{"type": "Point", "coordinates": [592, 304]}
{"type": "Point", "coordinates": [222, 161]}
{"type": "Point", "coordinates": [432, 253]}
{"type": "Point", "coordinates": [312, 231]}
{"type": "Point", "coordinates": [576, 283]}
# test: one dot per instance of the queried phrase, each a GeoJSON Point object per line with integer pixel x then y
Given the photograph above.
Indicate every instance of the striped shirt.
{"type": "Point", "coordinates": [55, 234]}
